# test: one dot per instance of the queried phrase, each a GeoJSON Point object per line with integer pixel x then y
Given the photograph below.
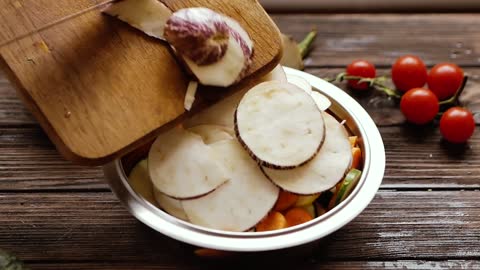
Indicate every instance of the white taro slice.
{"type": "Point", "coordinates": [182, 166]}
{"type": "Point", "coordinates": [148, 16]}
{"type": "Point", "coordinates": [322, 172]}
{"type": "Point", "coordinates": [172, 206]}
{"type": "Point", "coordinates": [300, 82]}
{"type": "Point", "coordinates": [240, 203]}
{"type": "Point", "coordinates": [222, 112]}
{"type": "Point", "coordinates": [213, 133]}
{"type": "Point", "coordinates": [322, 101]}
{"type": "Point", "coordinates": [279, 124]}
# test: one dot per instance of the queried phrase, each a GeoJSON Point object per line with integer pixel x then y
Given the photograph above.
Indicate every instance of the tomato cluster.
{"type": "Point", "coordinates": [418, 104]}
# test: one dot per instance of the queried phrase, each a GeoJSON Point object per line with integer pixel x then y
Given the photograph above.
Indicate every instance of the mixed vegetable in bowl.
{"type": "Point", "coordinates": [250, 195]}
{"type": "Point", "coordinates": [268, 157]}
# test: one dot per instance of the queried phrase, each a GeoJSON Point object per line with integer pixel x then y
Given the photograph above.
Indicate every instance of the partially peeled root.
{"type": "Point", "coordinates": [216, 49]}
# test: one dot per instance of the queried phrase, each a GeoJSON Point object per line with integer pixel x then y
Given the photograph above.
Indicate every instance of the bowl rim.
{"type": "Point", "coordinates": [356, 202]}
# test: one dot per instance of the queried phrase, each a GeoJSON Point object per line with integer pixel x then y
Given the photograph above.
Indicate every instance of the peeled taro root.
{"type": "Point", "coordinates": [215, 47]}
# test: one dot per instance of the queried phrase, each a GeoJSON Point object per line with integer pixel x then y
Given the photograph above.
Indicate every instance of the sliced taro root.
{"type": "Point", "coordinates": [325, 170]}
{"type": "Point", "coordinates": [172, 206]}
{"type": "Point", "coordinates": [190, 95]}
{"type": "Point", "coordinates": [213, 133]}
{"type": "Point", "coordinates": [222, 113]}
{"type": "Point", "coordinates": [239, 204]}
{"type": "Point", "coordinates": [300, 82]}
{"type": "Point", "coordinates": [322, 101]}
{"type": "Point", "coordinates": [149, 16]}
{"type": "Point", "coordinates": [182, 166]}
{"type": "Point", "coordinates": [140, 182]}
{"type": "Point", "coordinates": [279, 124]}
{"type": "Point", "coordinates": [277, 74]}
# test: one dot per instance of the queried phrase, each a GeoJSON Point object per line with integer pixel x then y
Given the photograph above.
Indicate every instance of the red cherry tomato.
{"type": "Point", "coordinates": [419, 105]}
{"type": "Point", "coordinates": [445, 79]}
{"type": "Point", "coordinates": [409, 72]}
{"type": "Point", "coordinates": [360, 68]}
{"type": "Point", "coordinates": [457, 125]}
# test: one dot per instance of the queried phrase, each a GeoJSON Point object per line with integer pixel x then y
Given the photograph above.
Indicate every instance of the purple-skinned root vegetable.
{"type": "Point", "coordinates": [215, 47]}
{"type": "Point", "coordinates": [199, 34]}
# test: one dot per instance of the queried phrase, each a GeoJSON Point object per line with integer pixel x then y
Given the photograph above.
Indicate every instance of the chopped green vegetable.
{"type": "Point", "coordinates": [310, 209]}
{"type": "Point", "coordinates": [304, 200]}
{"type": "Point", "coordinates": [348, 183]}
{"type": "Point", "coordinates": [306, 44]}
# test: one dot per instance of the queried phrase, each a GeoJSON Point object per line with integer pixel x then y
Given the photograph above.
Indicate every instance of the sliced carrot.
{"type": "Point", "coordinates": [211, 253]}
{"type": "Point", "coordinates": [353, 140]}
{"type": "Point", "coordinates": [356, 157]}
{"type": "Point", "coordinates": [285, 200]}
{"type": "Point", "coordinates": [296, 216]}
{"type": "Point", "coordinates": [273, 221]}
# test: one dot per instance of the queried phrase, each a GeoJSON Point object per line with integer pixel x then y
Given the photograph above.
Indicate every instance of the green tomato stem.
{"type": "Point", "coordinates": [306, 44]}
{"type": "Point", "coordinates": [376, 83]}
{"type": "Point", "coordinates": [454, 99]}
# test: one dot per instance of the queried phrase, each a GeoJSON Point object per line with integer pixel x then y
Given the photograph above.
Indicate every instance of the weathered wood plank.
{"type": "Point", "coordinates": [332, 265]}
{"type": "Point", "coordinates": [415, 159]}
{"type": "Point", "coordinates": [12, 110]}
{"type": "Point", "coordinates": [384, 111]}
{"type": "Point", "coordinates": [384, 37]}
{"type": "Point", "coordinates": [95, 227]}
{"type": "Point", "coordinates": [28, 161]}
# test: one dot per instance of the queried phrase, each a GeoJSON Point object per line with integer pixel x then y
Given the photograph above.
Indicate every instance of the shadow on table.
{"type": "Point", "coordinates": [178, 253]}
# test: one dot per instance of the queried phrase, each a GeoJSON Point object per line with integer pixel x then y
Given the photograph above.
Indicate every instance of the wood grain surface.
{"type": "Point", "coordinates": [383, 37]}
{"type": "Point", "coordinates": [57, 215]}
{"type": "Point", "coordinates": [313, 265]}
{"type": "Point", "coordinates": [98, 87]}
{"type": "Point", "coordinates": [79, 226]}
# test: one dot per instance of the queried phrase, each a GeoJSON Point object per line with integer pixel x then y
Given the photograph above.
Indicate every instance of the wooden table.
{"type": "Point", "coordinates": [55, 215]}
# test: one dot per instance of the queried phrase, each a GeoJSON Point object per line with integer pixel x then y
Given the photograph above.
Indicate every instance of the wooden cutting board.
{"type": "Point", "coordinates": [100, 88]}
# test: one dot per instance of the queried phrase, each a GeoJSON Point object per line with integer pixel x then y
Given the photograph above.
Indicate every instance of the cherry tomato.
{"type": "Point", "coordinates": [445, 79]}
{"type": "Point", "coordinates": [419, 105]}
{"type": "Point", "coordinates": [457, 125]}
{"type": "Point", "coordinates": [409, 72]}
{"type": "Point", "coordinates": [360, 68]}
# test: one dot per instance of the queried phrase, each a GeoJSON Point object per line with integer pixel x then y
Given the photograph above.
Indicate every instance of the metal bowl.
{"type": "Point", "coordinates": [343, 107]}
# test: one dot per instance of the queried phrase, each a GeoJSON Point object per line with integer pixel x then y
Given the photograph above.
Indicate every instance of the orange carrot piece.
{"type": "Point", "coordinates": [356, 157]}
{"type": "Point", "coordinates": [353, 140]}
{"type": "Point", "coordinates": [211, 253]}
{"type": "Point", "coordinates": [285, 200]}
{"type": "Point", "coordinates": [296, 216]}
{"type": "Point", "coordinates": [273, 221]}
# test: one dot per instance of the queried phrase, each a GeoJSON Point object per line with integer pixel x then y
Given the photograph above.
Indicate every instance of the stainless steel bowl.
{"type": "Point", "coordinates": [358, 122]}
